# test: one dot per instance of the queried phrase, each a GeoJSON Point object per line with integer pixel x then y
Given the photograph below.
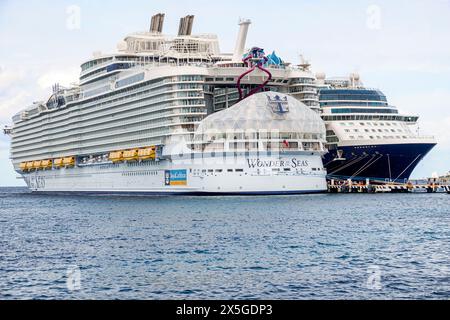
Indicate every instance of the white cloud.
{"type": "Point", "coordinates": [9, 77]}
{"type": "Point", "coordinates": [64, 77]}
{"type": "Point", "coordinates": [14, 90]}
{"type": "Point", "coordinates": [433, 107]}
{"type": "Point", "coordinates": [19, 87]}
{"type": "Point", "coordinates": [12, 104]}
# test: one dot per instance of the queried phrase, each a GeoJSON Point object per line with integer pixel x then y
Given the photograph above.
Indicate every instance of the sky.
{"type": "Point", "coordinates": [401, 47]}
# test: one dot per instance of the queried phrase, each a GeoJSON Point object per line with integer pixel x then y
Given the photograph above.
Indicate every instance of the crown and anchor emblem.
{"type": "Point", "coordinates": [278, 105]}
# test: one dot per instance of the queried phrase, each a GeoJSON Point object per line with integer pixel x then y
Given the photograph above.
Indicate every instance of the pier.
{"type": "Point", "coordinates": [432, 185]}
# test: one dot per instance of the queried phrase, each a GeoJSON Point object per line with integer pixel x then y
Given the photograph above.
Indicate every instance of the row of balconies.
{"type": "Point", "coordinates": [107, 110]}
{"type": "Point", "coordinates": [82, 143]}
{"type": "Point", "coordinates": [125, 94]}
{"type": "Point", "coordinates": [76, 130]}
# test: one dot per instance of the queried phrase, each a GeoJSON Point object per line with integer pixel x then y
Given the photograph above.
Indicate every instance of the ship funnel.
{"type": "Point", "coordinates": [241, 39]}
{"type": "Point", "coordinates": [157, 23]}
{"type": "Point", "coordinates": [186, 24]}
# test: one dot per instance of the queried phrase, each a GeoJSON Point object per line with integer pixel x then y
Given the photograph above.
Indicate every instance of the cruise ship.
{"type": "Point", "coordinates": [367, 138]}
{"type": "Point", "coordinates": [174, 115]}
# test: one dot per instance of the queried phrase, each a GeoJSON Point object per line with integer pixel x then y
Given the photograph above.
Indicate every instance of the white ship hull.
{"type": "Point", "coordinates": [293, 174]}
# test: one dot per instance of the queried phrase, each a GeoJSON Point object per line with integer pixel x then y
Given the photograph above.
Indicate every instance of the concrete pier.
{"type": "Point", "coordinates": [423, 186]}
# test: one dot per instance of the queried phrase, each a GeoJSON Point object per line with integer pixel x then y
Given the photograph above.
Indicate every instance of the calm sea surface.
{"type": "Point", "coordinates": [280, 247]}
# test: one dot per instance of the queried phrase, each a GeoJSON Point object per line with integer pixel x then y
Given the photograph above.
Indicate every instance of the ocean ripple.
{"type": "Point", "coordinates": [283, 247]}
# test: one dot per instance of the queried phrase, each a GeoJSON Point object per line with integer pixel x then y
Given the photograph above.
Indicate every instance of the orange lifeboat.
{"type": "Point", "coordinates": [130, 155]}
{"type": "Point", "coordinates": [69, 161]}
{"type": "Point", "coordinates": [58, 162]}
{"type": "Point", "coordinates": [147, 153]}
{"type": "Point", "coordinates": [37, 164]}
{"type": "Point", "coordinates": [116, 156]}
{"type": "Point", "coordinates": [23, 166]}
{"type": "Point", "coordinates": [30, 165]}
{"type": "Point", "coordinates": [46, 164]}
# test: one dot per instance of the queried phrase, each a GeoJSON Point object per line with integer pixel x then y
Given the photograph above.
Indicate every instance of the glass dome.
{"type": "Point", "coordinates": [266, 111]}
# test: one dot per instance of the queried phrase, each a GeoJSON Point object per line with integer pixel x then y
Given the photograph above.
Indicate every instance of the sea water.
{"type": "Point", "coordinates": [327, 246]}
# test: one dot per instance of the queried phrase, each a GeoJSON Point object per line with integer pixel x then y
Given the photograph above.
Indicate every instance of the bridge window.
{"type": "Point", "coordinates": [363, 110]}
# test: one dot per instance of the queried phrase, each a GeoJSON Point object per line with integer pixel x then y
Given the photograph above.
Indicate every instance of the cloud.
{"type": "Point", "coordinates": [433, 108]}
{"type": "Point", "coordinates": [19, 87]}
{"type": "Point", "coordinates": [64, 77]}
{"type": "Point", "coordinates": [12, 104]}
{"type": "Point", "coordinates": [10, 77]}
{"type": "Point", "coordinates": [14, 92]}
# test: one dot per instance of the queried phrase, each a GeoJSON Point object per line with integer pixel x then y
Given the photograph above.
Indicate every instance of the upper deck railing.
{"type": "Point", "coordinates": [7, 130]}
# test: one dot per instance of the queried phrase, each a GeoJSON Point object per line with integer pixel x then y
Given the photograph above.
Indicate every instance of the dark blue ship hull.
{"type": "Point", "coordinates": [388, 162]}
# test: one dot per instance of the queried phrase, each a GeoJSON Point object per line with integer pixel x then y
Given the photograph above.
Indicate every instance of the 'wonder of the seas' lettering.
{"type": "Point", "coordinates": [293, 163]}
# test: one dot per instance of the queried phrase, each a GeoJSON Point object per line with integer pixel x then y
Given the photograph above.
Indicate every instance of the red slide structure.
{"type": "Point", "coordinates": [255, 59]}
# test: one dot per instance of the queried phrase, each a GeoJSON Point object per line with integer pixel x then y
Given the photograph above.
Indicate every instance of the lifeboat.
{"type": "Point", "coordinates": [37, 164]}
{"type": "Point", "coordinates": [116, 156]}
{"type": "Point", "coordinates": [130, 155]}
{"type": "Point", "coordinates": [147, 153]}
{"type": "Point", "coordinates": [69, 161]}
{"type": "Point", "coordinates": [30, 165]}
{"type": "Point", "coordinates": [46, 164]}
{"type": "Point", "coordinates": [23, 166]}
{"type": "Point", "coordinates": [58, 162]}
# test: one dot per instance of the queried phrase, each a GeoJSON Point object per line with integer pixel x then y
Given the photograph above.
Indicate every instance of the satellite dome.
{"type": "Point", "coordinates": [321, 76]}
{"type": "Point", "coordinates": [355, 76]}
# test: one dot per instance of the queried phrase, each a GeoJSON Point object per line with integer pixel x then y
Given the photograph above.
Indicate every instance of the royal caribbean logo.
{"type": "Point", "coordinates": [279, 105]}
